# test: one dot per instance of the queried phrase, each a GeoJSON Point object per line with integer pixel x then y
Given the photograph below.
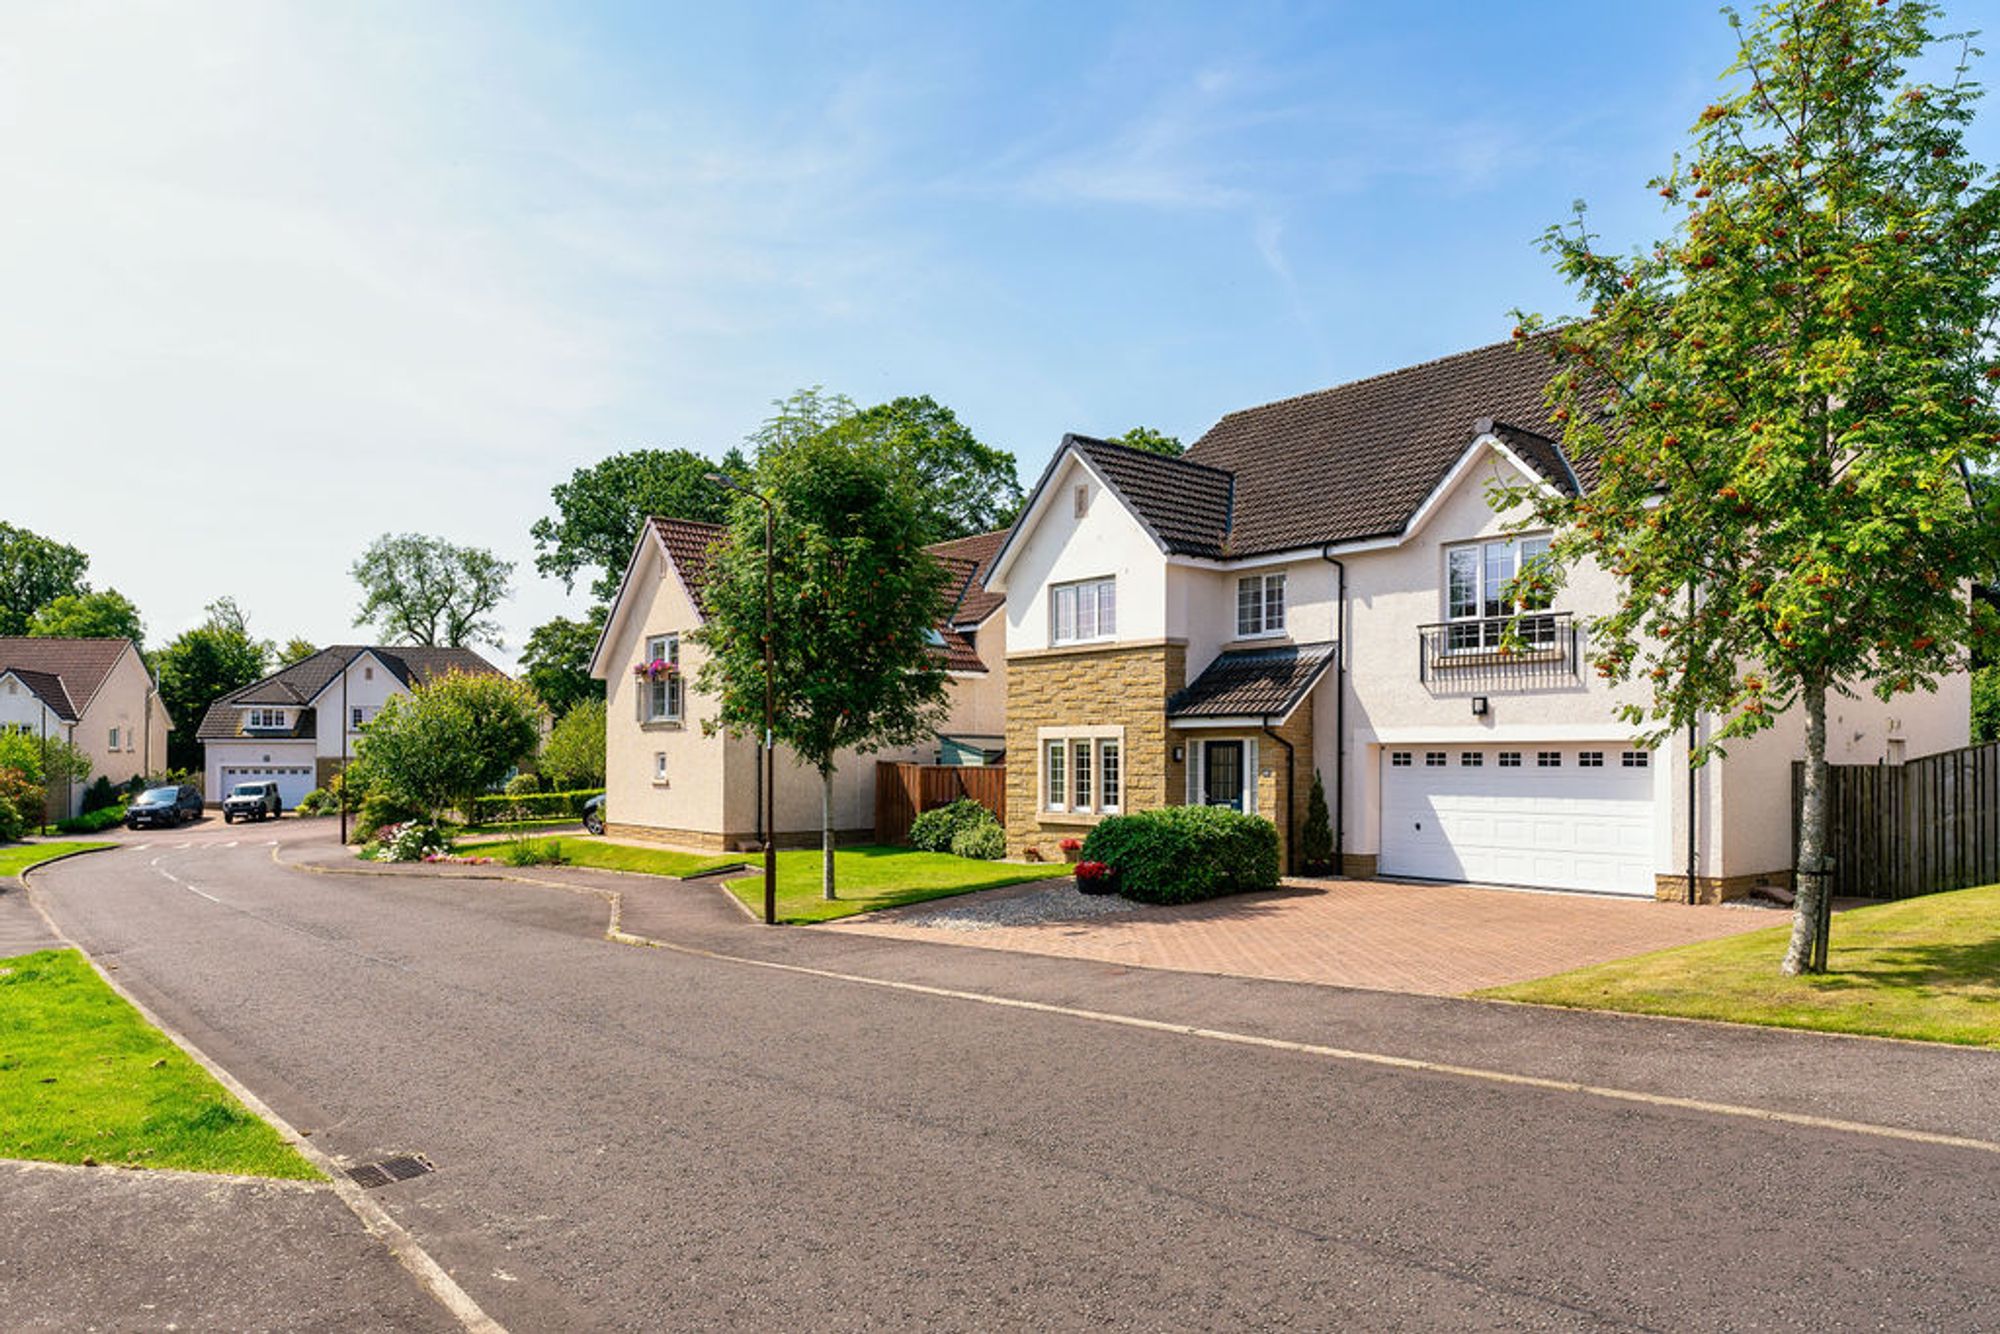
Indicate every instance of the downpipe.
{"type": "Point", "coordinates": [1339, 711]}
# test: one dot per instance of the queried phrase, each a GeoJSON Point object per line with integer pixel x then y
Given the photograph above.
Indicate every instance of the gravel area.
{"type": "Point", "coordinates": [1061, 902]}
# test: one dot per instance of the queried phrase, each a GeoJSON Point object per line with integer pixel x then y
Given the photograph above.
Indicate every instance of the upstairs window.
{"type": "Point", "coordinates": [662, 693]}
{"type": "Point", "coordinates": [264, 718]}
{"type": "Point", "coordinates": [1081, 612]}
{"type": "Point", "coordinates": [1476, 596]}
{"type": "Point", "coordinates": [1260, 605]}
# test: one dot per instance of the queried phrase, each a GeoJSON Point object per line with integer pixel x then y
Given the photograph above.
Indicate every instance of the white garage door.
{"type": "Point", "coordinates": [1552, 816]}
{"type": "Point", "coordinates": [294, 781]}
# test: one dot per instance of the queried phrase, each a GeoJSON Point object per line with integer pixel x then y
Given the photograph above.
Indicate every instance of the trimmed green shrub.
{"type": "Point", "coordinates": [319, 801]}
{"type": "Point", "coordinates": [94, 822]}
{"type": "Point", "coordinates": [984, 842]}
{"type": "Point", "coordinates": [498, 809]}
{"type": "Point", "coordinates": [935, 830]}
{"type": "Point", "coordinates": [99, 795]}
{"type": "Point", "coordinates": [1183, 854]}
{"type": "Point", "coordinates": [524, 784]}
{"type": "Point", "coordinates": [1316, 836]}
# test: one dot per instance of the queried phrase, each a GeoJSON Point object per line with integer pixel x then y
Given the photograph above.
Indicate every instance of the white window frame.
{"type": "Point", "coordinates": [113, 740]}
{"type": "Point", "coordinates": [1476, 610]}
{"type": "Point", "coordinates": [1069, 603]}
{"type": "Point", "coordinates": [262, 717]}
{"type": "Point", "coordinates": [1260, 605]}
{"type": "Point", "coordinates": [662, 700]}
{"type": "Point", "coordinates": [1069, 755]}
{"type": "Point", "coordinates": [1197, 788]}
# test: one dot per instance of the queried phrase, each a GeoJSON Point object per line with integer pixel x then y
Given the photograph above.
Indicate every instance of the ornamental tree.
{"type": "Point", "coordinates": [1785, 398]}
{"type": "Point", "coordinates": [450, 740]}
{"type": "Point", "coordinates": [856, 603]}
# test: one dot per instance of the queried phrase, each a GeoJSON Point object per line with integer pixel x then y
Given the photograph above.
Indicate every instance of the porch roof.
{"type": "Point", "coordinates": [1253, 683]}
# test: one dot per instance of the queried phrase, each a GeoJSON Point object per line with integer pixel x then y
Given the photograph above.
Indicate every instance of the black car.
{"type": "Point", "coordinates": [168, 806]}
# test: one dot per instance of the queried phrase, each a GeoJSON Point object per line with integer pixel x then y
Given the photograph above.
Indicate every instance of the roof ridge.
{"type": "Point", "coordinates": [1371, 379]}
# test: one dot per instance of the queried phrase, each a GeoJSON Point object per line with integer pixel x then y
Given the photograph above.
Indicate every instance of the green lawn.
{"type": "Point", "coordinates": [84, 1079]}
{"type": "Point", "coordinates": [514, 826]}
{"type": "Point", "coordinates": [18, 857]}
{"type": "Point", "coordinates": [1926, 968]}
{"type": "Point", "coordinates": [867, 878]}
{"type": "Point", "coordinates": [583, 850]}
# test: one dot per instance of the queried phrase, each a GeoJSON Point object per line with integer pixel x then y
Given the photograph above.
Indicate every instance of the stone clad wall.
{"type": "Point", "coordinates": [1123, 685]}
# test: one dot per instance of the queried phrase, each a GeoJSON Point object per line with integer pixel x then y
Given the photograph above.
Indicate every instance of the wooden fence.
{"type": "Point", "coordinates": [1898, 830]}
{"type": "Point", "coordinates": [904, 791]}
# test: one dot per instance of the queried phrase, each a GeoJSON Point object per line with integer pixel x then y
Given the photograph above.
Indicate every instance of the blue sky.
{"type": "Point", "coordinates": [285, 277]}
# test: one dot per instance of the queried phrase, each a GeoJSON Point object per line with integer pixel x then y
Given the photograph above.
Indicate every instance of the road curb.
{"type": "Point", "coordinates": [375, 1220]}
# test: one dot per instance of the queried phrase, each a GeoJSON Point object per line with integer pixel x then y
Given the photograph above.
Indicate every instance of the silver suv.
{"type": "Point", "coordinates": [251, 801]}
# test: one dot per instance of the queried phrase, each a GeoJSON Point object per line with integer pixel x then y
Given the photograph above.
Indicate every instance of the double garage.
{"type": "Point", "coordinates": [293, 768]}
{"type": "Point", "coordinates": [1548, 816]}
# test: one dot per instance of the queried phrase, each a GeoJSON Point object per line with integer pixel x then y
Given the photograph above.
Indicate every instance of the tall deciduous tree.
{"type": "Point", "coordinates": [857, 602]}
{"type": "Point", "coordinates": [1152, 441]}
{"type": "Point", "coordinates": [34, 571]}
{"type": "Point", "coordinates": [425, 590]}
{"type": "Point", "coordinates": [573, 754]}
{"type": "Point", "coordinates": [600, 508]}
{"type": "Point", "coordinates": [556, 661]}
{"type": "Point", "coordinates": [1784, 397]}
{"type": "Point", "coordinates": [451, 739]}
{"type": "Point", "coordinates": [295, 651]}
{"type": "Point", "coordinates": [202, 665]}
{"type": "Point", "coordinates": [106, 615]}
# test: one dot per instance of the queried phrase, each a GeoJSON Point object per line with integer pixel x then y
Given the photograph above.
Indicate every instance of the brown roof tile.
{"type": "Point", "coordinates": [48, 688]}
{"type": "Point", "coordinates": [967, 559]}
{"type": "Point", "coordinates": [1356, 461]}
{"type": "Point", "coordinates": [81, 663]}
{"type": "Point", "coordinates": [297, 685]}
{"type": "Point", "coordinates": [688, 542]}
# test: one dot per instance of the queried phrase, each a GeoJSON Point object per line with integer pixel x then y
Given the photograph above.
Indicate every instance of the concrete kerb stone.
{"type": "Point", "coordinates": [374, 1219]}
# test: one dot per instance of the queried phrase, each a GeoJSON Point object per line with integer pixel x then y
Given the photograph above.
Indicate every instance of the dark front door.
{"type": "Point", "coordinates": [1222, 774]}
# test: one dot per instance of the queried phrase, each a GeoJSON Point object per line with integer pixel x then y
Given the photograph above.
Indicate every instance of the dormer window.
{"type": "Point", "coordinates": [264, 718]}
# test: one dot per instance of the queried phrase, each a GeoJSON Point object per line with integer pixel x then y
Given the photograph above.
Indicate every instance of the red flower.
{"type": "Point", "coordinates": [1092, 870]}
{"type": "Point", "coordinates": [1071, 845]}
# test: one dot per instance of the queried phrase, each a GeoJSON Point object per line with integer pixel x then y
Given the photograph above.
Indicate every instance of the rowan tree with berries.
{"type": "Point", "coordinates": [1786, 400]}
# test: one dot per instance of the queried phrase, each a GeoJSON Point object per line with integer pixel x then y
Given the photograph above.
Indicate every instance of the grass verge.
{"type": "Point", "coordinates": [869, 878]}
{"type": "Point", "coordinates": [85, 1079]}
{"type": "Point", "coordinates": [1927, 969]}
{"type": "Point", "coordinates": [20, 857]}
{"type": "Point", "coordinates": [593, 852]}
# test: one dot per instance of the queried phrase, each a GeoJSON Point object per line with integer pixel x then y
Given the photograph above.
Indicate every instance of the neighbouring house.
{"type": "Point", "coordinates": [96, 694]}
{"type": "Point", "coordinates": [669, 778]}
{"type": "Point", "coordinates": [298, 726]}
{"type": "Point", "coordinates": [1320, 584]}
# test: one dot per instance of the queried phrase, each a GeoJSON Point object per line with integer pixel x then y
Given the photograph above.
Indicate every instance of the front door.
{"type": "Point", "coordinates": [1222, 774]}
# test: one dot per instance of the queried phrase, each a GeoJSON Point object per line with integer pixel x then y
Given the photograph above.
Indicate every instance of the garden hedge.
{"type": "Point", "coordinates": [938, 828]}
{"type": "Point", "coordinates": [492, 810]}
{"type": "Point", "coordinates": [1183, 854]}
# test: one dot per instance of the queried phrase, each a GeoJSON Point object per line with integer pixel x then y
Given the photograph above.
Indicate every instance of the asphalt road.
{"type": "Point", "coordinates": [648, 1139]}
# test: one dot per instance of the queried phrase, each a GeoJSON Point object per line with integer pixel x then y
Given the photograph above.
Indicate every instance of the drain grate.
{"type": "Point", "coordinates": [405, 1167]}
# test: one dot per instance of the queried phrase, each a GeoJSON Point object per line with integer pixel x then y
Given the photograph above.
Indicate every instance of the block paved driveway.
{"type": "Point", "coordinates": [1443, 940]}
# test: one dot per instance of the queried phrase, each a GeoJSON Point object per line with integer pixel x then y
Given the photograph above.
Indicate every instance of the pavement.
{"type": "Point", "coordinates": [1444, 940]}
{"type": "Point", "coordinates": [749, 1127]}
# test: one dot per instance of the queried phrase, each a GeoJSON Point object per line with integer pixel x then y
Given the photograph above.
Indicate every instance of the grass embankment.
{"type": "Point", "coordinates": [17, 858]}
{"type": "Point", "coordinates": [1926, 968]}
{"type": "Point", "coordinates": [85, 1079]}
{"type": "Point", "coordinates": [868, 878]}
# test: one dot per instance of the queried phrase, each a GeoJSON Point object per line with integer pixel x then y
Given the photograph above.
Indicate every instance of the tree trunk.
{"type": "Point", "coordinates": [826, 834]}
{"type": "Point", "coordinates": [1812, 882]}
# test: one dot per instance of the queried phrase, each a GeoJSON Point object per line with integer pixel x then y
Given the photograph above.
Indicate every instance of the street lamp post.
{"type": "Point", "coordinates": [768, 759]}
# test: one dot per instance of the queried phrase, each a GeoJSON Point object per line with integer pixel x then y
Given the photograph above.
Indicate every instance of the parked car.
{"type": "Point", "coordinates": [593, 814]}
{"type": "Point", "coordinates": [168, 806]}
{"type": "Point", "coordinates": [252, 801]}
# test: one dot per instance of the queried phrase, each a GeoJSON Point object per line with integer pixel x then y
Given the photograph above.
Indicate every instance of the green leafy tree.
{"type": "Point", "coordinates": [1784, 397]}
{"type": "Point", "coordinates": [556, 661]}
{"type": "Point", "coordinates": [573, 754]}
{"type": "Point", "coordinates": [962, 486]}
{"type": "Point", "coordinates": [807, 414]}
{"type": "Point", "coordinates": [1152, 441]}
{"type": "Point", "coordinates": [425, 590]}
{"type": "Point", "coordinates": [1986, 704]}
{"type": "Point", "coordinates": [600, 509]}
{"type": "Point", "coordinates": [34, 571]}
{"type": "Point", "coordinates": [106, 615]}
{"type": "Point", "coordinates": [200, 667]}
{"type": "Point", "coordinates": [857, 600]}
{"type": "Point", "coordinates": [50, 768]}
{"type": "Point", "coordinates": [296, 651]}
{"type": "Point", "coordinates": [450, 740]}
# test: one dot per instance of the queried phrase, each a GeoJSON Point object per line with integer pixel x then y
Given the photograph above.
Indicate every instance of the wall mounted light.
{"type": "Point", "coordinates": [1479, 706]}
{"type": "Point", "coordinates": [1180, 754]}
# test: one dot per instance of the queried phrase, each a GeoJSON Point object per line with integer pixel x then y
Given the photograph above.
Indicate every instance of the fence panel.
{"type": "Point", "coordinates": [1923, 827]}
{"type": "Point", "coordinates": [903, 791]}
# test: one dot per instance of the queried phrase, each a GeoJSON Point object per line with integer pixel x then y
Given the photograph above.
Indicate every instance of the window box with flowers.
{"type": "Point", "coordinates": [661, 687]}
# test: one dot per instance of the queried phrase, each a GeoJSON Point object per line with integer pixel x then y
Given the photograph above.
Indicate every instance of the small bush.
{"type": "Point", "coordinates": [21, 801]}
{"type": "Point", "coordinates": [498, 809]}
{"type": "Point", "coordinates": [319, 801]}
{"type": "Point", "coordinates": [377, 811]}
{"type": "Point", "coordinates": [936, 830]}
{"type": "Point", "coordinates": [99, 795]}
{"type": "Point", "coordinates": [534, 852]}
{"type": "Point", "coordinates": [981, 842]}
{"type": "Point", "coordinates": [524, 785]}
{"type": "Point", "coordinates": [94, 822]}
{"type": "Point", "coordinates": [408, 842]}
{"type": "Point", "coordinates": [1183, 854]}
{"type": "Point", "coordinates": [1316, 836]}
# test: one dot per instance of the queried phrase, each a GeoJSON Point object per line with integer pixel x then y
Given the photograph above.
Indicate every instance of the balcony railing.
{"type": "Point", "coordinates": [1538, 648]}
